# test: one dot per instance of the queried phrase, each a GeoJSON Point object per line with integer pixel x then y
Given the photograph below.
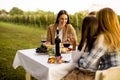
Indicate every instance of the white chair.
{"type": "Point", "coordinates": [112, 73]}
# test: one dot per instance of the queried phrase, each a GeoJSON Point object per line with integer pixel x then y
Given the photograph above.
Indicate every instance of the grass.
{"type": "Point", "coordinates": [12, 38]}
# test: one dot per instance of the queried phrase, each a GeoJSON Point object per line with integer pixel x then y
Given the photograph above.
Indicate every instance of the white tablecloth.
{"type": "Point", "coordinates": [38, 67]}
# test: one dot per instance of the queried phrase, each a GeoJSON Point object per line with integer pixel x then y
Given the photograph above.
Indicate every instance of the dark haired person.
{"type": "Point", "coordinates": [66, 30]}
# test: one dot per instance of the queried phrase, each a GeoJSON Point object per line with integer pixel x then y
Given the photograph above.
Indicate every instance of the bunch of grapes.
{"type": "Point", "coordinates": [41, 49]}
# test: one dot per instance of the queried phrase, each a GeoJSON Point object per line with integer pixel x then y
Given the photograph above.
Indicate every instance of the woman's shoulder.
{"type": "Point", "coordinates": [100, 37]}
{"type": "Point", "coordinates": [100, 41]}
{"type": "Point", "coordinates": [51, 26]}
{"type": "Point", "coordinates": [70, 26]}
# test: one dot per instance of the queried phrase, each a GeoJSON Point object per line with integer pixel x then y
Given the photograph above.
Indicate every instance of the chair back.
{"type": "Point", "coordinates": [112, 73]}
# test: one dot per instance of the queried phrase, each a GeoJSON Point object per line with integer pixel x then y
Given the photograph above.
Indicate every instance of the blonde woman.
{"type": "Point", "coordinates": [109, 29]}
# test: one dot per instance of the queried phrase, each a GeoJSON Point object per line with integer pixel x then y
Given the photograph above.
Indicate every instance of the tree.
{"type": "Point", "coordinates": [16, 11]}
{"type": "Point", "coordinates": [3, 12]}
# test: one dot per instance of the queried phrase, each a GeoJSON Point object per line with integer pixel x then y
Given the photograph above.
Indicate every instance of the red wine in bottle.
{"type": "Point", "coordinates": [57, 44]}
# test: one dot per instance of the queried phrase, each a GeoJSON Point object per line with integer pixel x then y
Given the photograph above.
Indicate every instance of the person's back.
{"type": "Point", "coordinates": [110, 29]}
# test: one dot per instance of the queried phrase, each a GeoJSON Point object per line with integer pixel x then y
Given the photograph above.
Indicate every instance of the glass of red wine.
{"type": "Point", "coordinates": [43, 38]}
{"type": "Point", "coordinates": [43, 41]}
{"type": "Point", "coordinates": [67, 42]}
{"type": "Point", "coordinates": [66, 45]}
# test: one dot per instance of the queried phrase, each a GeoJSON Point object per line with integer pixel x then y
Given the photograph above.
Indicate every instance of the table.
{"type": "Point", "coordinates": [36, 65]}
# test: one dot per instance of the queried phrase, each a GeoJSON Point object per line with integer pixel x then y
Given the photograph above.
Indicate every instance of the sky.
{"type": "Point", "coordinates": [55, 6]}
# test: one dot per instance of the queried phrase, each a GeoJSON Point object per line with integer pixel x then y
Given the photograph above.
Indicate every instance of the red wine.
{"type": "Point", "coordinates": [43, 41]}
{"type": "Point", "coordinates": [57, 44]}
{"type": "Point", "coordinates": [66, 45]}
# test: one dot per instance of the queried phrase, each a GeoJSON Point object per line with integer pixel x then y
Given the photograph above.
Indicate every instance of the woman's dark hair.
{"type": "Point", "coordinates": [89, 32]}
{"type": "Point", "coordinates": [61, 12]}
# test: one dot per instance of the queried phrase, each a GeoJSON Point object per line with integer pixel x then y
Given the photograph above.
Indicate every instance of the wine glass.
{"type": "Point", "coordinates": [66, 45]}
{"type": "Point", "coordinates": [43, 38]}
{"type": "Point", "coordinates": [43, 41]}
{"type": "Point", "coordinates": [66, 42]}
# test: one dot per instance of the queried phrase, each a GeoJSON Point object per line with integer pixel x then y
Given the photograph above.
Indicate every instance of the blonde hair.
{"type": "Point", "coordinates": [109, 26]}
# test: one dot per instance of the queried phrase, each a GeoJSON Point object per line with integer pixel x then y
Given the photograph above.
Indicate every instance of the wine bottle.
{"type": "Point", "coordinates": [57, 44]}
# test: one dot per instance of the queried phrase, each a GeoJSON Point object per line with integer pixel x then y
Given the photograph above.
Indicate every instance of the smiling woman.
{"type": "Point", "coordinates": [65, 29]}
